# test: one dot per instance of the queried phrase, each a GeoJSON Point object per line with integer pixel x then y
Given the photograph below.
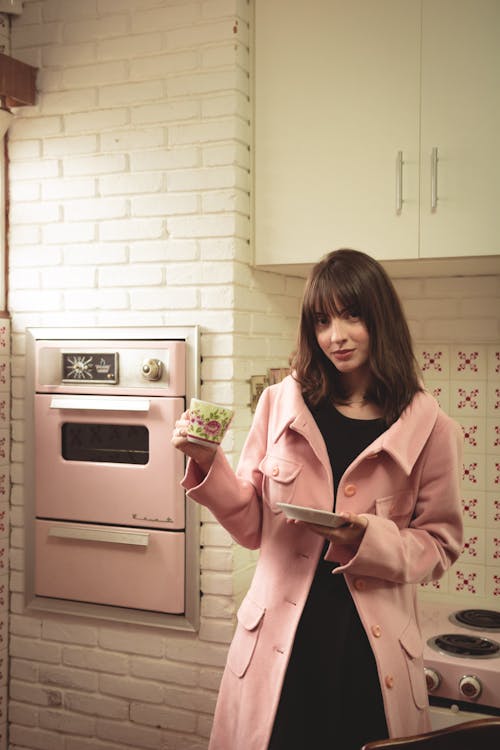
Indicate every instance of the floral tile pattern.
{"type": "Point", "coordinates": [465, 380]}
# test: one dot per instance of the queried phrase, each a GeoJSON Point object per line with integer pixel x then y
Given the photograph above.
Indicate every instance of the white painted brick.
{"type": "Point", "coordinates": [42, 300]}
{"type": "Point", "coordinates": [130, 93]}
{"type": "Point", "coordinates": [25, 191]}
{"type": "Point", "coordinates": [95, 121]}
{"type": "Point", "coordinates": [216, 583]}
{"type": "Point", "coordinates": [93, 28]}
{"type": "Point", "coordinates": [199, 35]}
{"type": "Point", "coordinates": [220, 248]}
{"type": "Point", "coordinates": [480, 329]}
{"type": "Point", "coordinates": [165, 204]}
{"type": "Point", "coordinates": [164, 671]}
{"type": "Point", "coordinates": [66, 723]}
{"type": "Point", "coordinates": [461, 286]}
{"type": "Point", "coordinates": [96, 299]}
{"type": "Point", "coordinates": [61, 677]}
{"type": "Point", "coordinates": [21, 738]}
{"type": "Point", "coordinates": [215, 535]}
{"type": "Point", "coordinates": [27, 626]}
{"type": "Point", "coordinates": [217, 606]}
{"type": "Point", "coordinates": [61, 146]}
{"type": "Point", "coordinates": [135, 45]}
{"type": "Point", "coordinates": [66, 102]}
{"type": "Point", "coordinates": [29, 256]}
{"type": "Point", "coordinates": [69, 632]}
{"type": "Point", "coordinates": [221, 201]}
{"type": "Point", "coordinates": [96, 705]}
{"type": "Point", "coordinates": [164, 717]}
{"type": "Point", "coordinates": [58, 10]}
{"type": "Point", "coordinates": [226, 104]}
{"type": "Point", "coordinates": [68, 278]}
{"type": "Point", "coordinates": [183, 14]}
{"type": "Point", "coordinates": [125, 687]}
{"type": "Point", "coordinates": [96, 209]}
{"type": "Point", "coordinates": [40, 651]}
{"type": "Point", "coordinates": [129, 275]}
{"type": "Point", "coordinates": [131, 229]}
{"type": "Point", "coordinates": [24, 279]}
{"type": "Point", "coordinates": [65, 55]}
{"type": "Point", "coordinates": [128, 735]}
{"type": "Point", "coordinates": [195, 652]}
{"type": "Point", "coordinates": [167, 158]}
{"type": "Point", "coordinates": [217, 559]}
{"type": "Point", "coordinates": [67, 188]}
{"type": "Point", "coordinates": [202, 179]}
{"type": "Point", "coordinates": [20, 713]}
{"type": "Point", "coordinates": [75, 232]}
{"type": "Point", "coordinates": [164, 64]}
{"type": "Point", "coordinates": [23, 671]}
{"type": "Point", "coordinates": [145, 643]}
{"type": "Point", "coordinates": [34, 213]}
{"type": "Point", "coordinates": [20, 150]}
{"type": "Point", "coordinates": [33, 35]}
{"type": "Point", "coordinates": [133, 138]}
{"type": "Point", "coordinates": [39, 127]}
{"type": "Point", "coordinates": [97, 661]}
{"type": "Point", "coordinates": [95, 165]}
{"type": "Point", "coordinates": [205, 132]}
{"type": "Point", "coordinates": [165, 250]}
{"type": "Point", "coordinates": [35, 694]}
{"type": "Point", "coordinates": [165, 112]}
{"type": "Point", "coordinates": [226, 154]}
{"type": "Point", "coordinates": [99, 74]}
{"type": "Point", "coordinates": [202, 226]}
{"type": "Point", "coordinates": [126, 184]}
{"type": "Point", "coordinates": [166, 299]}
{"type": "Point", "coordinates": [95, 254]}
{"type": "Point", "coordinates": [216, 631]}
{"type": "Point", "coordinates": [34, 170]}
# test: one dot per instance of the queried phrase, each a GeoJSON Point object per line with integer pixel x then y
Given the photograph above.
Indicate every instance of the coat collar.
{"type": "Point", "coordinates": [403, 440]}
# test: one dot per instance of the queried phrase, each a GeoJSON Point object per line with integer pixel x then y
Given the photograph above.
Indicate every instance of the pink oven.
{"type": "Point", "coordinates": [110, 516]}
{"type": "Point", "coordinates": [462, 661]}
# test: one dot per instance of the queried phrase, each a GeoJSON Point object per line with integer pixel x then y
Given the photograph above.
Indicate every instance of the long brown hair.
{"type": "Point", "coordinates": [359, 283]}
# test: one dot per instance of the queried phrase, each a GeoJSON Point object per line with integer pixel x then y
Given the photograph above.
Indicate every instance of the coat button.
{"type": "Point", "coordinates": [360, 584]}
{"type": "Point", "coordinates": [377, 631]}
{"type": "Point", "coordinates": [350, 490]}
{"type": "Point", "coordinates": [275, 471]}
{"type": "Point", "coordinates": [389, 681]}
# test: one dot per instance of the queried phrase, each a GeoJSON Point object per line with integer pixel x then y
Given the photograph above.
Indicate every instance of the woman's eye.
{"type": "Point", "coordinates": [321, 320]}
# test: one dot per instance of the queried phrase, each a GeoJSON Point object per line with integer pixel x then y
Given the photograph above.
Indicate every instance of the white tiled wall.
{"type": "Point", "coordinates": [465, 379]}
{"type": "Point", "coordinates": [129, 187]}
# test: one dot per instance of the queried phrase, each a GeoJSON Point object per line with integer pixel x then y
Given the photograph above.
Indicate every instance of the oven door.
{"type": "Point", "coordinates": [110, 565]}
{"type": "Point", "coordinates": [108, 459]}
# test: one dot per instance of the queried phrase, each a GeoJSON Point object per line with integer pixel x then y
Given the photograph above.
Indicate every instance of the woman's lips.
{"type": "Point", "coordinates": [342, 353]}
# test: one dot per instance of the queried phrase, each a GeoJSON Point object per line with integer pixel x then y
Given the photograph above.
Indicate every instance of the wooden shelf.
{"type": "Point", "coordinates": [17, 82]}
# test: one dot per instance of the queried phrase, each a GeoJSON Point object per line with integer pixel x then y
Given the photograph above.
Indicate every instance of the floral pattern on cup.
{"type": "Point", "coordinates": [208, 422]}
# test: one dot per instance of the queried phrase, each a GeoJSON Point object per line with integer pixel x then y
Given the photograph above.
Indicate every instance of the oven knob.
{"type": "Point", "coordinates": [470, 686]}
{"type": "Point", "coordinates": [432, 679]}
{"type": "Point", "coordinates": [152, 369]}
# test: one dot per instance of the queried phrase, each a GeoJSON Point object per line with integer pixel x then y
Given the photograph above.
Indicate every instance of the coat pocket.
{"type": "Point", "coordinates": [412, 646]}
{"type": "Point", "coordinates": [250, 617]}
{"type": "Point", "coordinates": [398, 507]}
{"type": "Point", "coordinates": [279, 480]}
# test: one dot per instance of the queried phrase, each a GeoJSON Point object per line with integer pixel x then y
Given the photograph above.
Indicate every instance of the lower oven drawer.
{"type": "Point", "coordinates": [136, 568]}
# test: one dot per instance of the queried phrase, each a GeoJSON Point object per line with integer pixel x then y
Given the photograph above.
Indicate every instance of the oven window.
{"type": "Point", "coordinates": [105, 443]}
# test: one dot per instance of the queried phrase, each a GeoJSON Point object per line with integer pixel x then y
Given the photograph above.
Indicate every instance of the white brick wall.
{"type": "Point", "coordinates": [130, 183]}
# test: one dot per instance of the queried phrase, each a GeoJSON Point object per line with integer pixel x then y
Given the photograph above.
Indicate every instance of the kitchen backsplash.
{"type": "Point", "coordinates": [465, 380]}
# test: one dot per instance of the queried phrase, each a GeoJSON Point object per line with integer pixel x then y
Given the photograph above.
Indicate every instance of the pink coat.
{"type": "Point", "coordinates": [407, 483]}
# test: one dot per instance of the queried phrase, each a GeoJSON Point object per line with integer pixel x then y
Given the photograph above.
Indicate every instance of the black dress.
{"type": "Point", "coordinates": [331, 697]}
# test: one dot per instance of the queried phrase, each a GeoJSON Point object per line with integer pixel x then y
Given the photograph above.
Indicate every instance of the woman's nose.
{"type": "Point", "coordinates": [337, 332]}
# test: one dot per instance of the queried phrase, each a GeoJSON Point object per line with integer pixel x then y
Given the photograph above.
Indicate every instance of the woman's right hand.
{"type": "Point", "coordinates": [203, 455]}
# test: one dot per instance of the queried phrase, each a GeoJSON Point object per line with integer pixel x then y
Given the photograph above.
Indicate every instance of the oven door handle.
{"type": "Point", "coordinates": [101, 403]}
{"type": "Point", "coordinates": [136, 538]}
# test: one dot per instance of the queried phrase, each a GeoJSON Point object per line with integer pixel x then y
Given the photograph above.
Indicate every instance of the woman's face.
{"type": "Point", "coordinates": [344, 339]}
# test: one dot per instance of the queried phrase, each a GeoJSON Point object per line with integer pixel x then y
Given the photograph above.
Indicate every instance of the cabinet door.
{"type": "Point", "coordinates": [461, 119]}
{"type": "Point", "coordinates": [336, 98]}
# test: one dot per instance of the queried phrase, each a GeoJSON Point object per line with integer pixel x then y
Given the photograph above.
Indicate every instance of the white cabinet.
{"type": "Point", "coordinates": [343, 89]}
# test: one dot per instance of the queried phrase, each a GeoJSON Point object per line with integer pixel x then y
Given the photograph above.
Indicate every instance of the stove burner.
{"type": "Point", "coordinates": [465, 645]}
{"type": "Point", "coordinates": [482, 619]}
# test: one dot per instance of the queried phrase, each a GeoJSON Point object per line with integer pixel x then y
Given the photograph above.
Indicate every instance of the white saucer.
{"type": "Point", "coordinates": [312, 515]}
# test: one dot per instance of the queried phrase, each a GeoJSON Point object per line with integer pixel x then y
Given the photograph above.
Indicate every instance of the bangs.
{"type": "Point", "coordinates": [329, 286]}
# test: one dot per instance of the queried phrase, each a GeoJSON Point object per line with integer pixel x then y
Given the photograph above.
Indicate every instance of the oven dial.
{"type": "Point", "coordinates": [152, 369]}
{"type": "Point", "coordinates": [432, 679]}
{"type": "Point", "coordinates": [470, 686]}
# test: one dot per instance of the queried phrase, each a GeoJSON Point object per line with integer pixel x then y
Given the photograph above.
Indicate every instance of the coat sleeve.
{"type": "Point", "coordinates": [235, 497]}
{"type": "Point", "coordinates": [433, 540]}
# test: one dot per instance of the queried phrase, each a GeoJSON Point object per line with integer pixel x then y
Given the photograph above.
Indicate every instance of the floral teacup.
{"type": "Point", "coordinates": [207, 422]}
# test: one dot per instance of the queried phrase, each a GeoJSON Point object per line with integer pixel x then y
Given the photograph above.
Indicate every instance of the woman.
{"type": "Point", "coordinates": [327, 650]}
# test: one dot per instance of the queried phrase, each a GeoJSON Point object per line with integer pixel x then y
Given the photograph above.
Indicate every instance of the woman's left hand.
{"type": "Point", "coordinates": [351, 533]}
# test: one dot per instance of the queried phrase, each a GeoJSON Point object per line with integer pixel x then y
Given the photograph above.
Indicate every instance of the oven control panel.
{"type": "Point", "coordinates": [89, 367]}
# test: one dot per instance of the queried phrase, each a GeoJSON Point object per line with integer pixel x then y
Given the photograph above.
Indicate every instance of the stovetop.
{"type": "Point", "coordinates": [473, 676]}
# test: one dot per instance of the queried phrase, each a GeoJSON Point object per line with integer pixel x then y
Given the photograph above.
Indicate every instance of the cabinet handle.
{"type": "Point", "coordinates": [136, 538]}
{"type": "Point", "coordinates": [399, 182]}
{"type": "Point", "coordinates": [434, 178]}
